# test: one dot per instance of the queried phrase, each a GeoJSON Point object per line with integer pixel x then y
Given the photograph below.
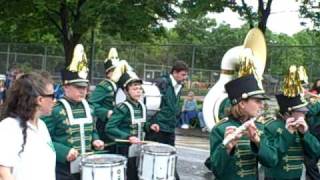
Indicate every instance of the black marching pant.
{"type": "Point", "coordinates": [63, 172]}
{"type": "Point", "coordinates": [132, 166]}
{"type": "Point", "coordinates": [312, 170]}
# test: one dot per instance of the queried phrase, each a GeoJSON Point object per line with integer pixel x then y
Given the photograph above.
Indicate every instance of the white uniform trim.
{"type": "Point", "coordinates": [113, 85]}
{"type": "Point", "coordinates": [79, 121]}
{"type": "Point", "coordinates": [137, 121]}
{"type": "Point", "coordinates": [133, 119]}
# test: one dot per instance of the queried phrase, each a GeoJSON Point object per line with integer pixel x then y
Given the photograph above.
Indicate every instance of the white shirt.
{"type": "Point", "coordinates": [37, 161]}
{"type": "Point", "coordinates": [175, 85]}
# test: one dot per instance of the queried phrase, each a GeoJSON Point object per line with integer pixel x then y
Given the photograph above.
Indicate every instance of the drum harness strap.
{"type": "Point", "coordinates": [137, 121]}
{"type": "Point", "coordinates": [79, 121]}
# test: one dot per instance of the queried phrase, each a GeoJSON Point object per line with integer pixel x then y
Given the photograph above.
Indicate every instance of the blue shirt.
{"type": "Point", "coordinates": [190, 105]}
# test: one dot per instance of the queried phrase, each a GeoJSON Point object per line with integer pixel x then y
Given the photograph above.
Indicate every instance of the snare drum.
{"type": "Point", "coordinates": [157, 162]}
{"type": "Point", "coordinates": [103, 167]}
{"type": "Point", "coordinates": [151, 97]}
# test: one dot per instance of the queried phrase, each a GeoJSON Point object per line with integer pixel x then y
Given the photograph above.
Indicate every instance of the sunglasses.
{"type": "Point", "coordinates": [52, 96]}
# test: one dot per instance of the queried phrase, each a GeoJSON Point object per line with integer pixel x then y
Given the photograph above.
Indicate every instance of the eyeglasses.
{"type": "Point", "coordinates": [52, 96]}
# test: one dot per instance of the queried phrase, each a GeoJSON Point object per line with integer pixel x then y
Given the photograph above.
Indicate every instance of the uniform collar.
{"type": "Point", "coordinates": [174, 82]}
{"type": "Point", "coordinates": [175, 85]}
{"type": "Point", "coordinates": [71, 101]}
{"type": "Point", "coordinates": [133, 102]}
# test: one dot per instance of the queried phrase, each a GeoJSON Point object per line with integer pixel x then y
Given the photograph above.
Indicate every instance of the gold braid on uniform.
{"type": "Point", "coordinates": [292, 85]}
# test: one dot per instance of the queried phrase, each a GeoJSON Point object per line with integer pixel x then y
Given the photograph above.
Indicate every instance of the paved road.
{"type": "Point", "coordinates": [192, 152]}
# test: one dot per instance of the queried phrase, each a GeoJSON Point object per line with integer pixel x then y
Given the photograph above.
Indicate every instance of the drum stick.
{"type": "Point", "coordinates": [127, 141]}
{"type": "Point", "coordinates": [94, 152]}
{"type": "Point", "coordinates": [109, 144]}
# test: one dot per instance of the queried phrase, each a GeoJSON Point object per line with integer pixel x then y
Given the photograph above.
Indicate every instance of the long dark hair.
{"type": "Point", "coordinates": [21, 102]}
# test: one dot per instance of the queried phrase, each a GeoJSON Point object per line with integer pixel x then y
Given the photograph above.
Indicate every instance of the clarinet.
{"type": "Point", "coordinates": [239, 130]}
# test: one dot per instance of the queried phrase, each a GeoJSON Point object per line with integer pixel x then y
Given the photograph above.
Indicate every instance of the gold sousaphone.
{"type": "Point", "coordinates": [250, 58]}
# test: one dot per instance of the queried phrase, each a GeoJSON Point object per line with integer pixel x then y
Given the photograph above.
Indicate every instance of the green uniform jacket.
{"type": "Point", "coordinates": [242, 162]}
{"type": "Point", "coordinates": [223, 109]}
{"type": "Point", "coordinates": [120, 125]}
{"type": "Point", "coordinates": [313, 119]}
{"type": "Point", "coordinates": [291, 149]}
{"type": "Point", "coordinates": [169, 108]}
{"type": "Point", "coordinates": [103, 100]}
{"type": "Point", "coordinates": [66, 136]}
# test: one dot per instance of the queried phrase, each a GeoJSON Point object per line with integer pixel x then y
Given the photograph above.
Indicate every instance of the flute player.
{"type": "Point", "coordinates": [238, 158]}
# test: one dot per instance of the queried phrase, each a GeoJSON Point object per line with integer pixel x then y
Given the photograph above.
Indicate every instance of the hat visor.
{"type": "Point", "coordinates": [302, 109]}
{"type": "Point", "coordinates": [260, 96]}
{"type": "Point", "coordinates": [81, 84]}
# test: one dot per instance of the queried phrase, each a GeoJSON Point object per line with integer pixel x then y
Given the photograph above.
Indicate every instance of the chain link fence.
{"type": "Point", "coordinates": [150, 61]}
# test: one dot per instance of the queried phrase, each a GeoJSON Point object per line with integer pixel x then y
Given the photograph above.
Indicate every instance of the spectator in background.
{"type": "Point", "coordinates": [316, 87]}
{"type": "Point", "coordinates": [202, 124]}
{"type": "Point", "coordinates": [13, 74]}
{"type": "Point", "coordinates": [189, 110]}
{"type": "Point", "coordinates": [313, 95]}
{"type": "Point", "coordinates": [2, 88]}
{"type": "Point", "coordinates": [58, 91]}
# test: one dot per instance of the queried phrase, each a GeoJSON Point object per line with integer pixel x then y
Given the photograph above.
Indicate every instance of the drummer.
{"type": "Point", "coordinates": [128, 121]}
{"type": "Point", "coordinates": [71, 125]}
{"type": "Point", "coordinates": [103, 97]}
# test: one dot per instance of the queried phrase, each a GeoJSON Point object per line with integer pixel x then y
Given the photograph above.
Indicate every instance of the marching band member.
{"type": "Point", "coordinates": [128, 120]}
{"type": "Point", "coordinates": [236, 155]}
{"type": "Point", "coordinates": [71, 125]}
{"type": "Point", "coordinates": [290, 131]}
{"type": "Point", "coordinates": [103, 97]}
{"type": "Point", "coordinates": [313, 120]}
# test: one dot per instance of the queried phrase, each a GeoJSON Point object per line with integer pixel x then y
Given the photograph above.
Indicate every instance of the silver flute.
{"type": "Point", "coordinates": [239, 130]}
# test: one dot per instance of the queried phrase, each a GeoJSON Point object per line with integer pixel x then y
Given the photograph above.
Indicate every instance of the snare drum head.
{"type": "Point", "coordinates": [103, 159]}
{"type": "Point", "coordinates": [159, 149]}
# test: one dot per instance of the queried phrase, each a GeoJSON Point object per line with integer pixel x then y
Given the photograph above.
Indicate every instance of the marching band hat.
{"type": "Point", "coordinates": [127, 78]}
{"type": "Point", "coordinates": [112, 60]}
{"type": "Point", "coordinates": [289, 104]}
{"type": "Point", "coordinates": [77, 72]}
{"type": "Point", "coordinates": [73, 78]}
{"type": "Point", "coordinates": [243, 88]}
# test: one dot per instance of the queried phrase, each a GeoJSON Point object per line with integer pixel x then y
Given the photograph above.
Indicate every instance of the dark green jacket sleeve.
{"type": "Point", "coordinates": [98, 98]}
{"type": "Point", "coordinates": [219, 156]}
{"type": "Point", "coordinates": [311, 144]}
{"type": "Point", "coordinates": [314, 109]}
{"type": "Point", "coordinates": [113, 126]}
{"type": "Point", "coordinates": [95, 135]}
{"type": "Point", "coordinates": [52, 121]}
{"type": "Point", "coordinates": [267, 152]}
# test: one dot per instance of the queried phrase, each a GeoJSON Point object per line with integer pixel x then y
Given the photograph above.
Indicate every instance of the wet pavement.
{"type": "Point", "coordinates": [193, 149]}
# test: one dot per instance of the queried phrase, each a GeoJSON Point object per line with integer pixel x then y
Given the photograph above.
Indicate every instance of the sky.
{"type": "Point", "coordinates": [284, 17]}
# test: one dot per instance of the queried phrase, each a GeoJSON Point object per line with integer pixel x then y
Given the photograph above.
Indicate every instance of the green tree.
{"type": "Point", "coordinates": [259, 18]}
{"type": "Point", "coordinates": [70, 20]}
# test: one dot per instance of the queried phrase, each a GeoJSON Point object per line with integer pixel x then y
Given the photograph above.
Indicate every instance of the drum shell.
{"type": "Point", "coordinates": [103, 171]}
{"type": "Point", "coordinates": [157, 165]}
